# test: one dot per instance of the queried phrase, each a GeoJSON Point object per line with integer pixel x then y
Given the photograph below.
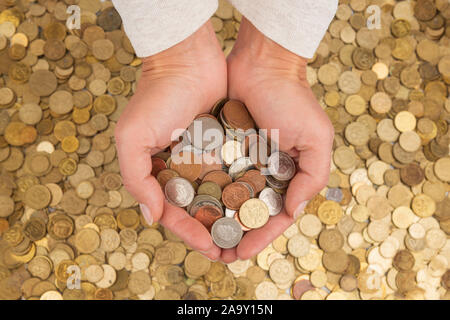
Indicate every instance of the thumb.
{"type": "Point", "coordinates": [136, 167]}
{"type": "Point", "coordinates": [312, 177]}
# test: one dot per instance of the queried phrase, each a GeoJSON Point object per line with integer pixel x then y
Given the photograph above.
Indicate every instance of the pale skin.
{"type": "Point", "coordinates": [186, 80]}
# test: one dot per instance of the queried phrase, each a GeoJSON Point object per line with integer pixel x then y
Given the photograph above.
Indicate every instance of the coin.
{"type": "Point", "coordinates": [254, 213]}
{"type": "Point", "coordinates": [226, 233]}
{"type": "Point", "coordinates": [179, 192]}
{"type": "Point", "coordinates": [272, 199]}
{"type": "Point", "coordinates": [281, 166]}
{"type": "Point", "coordinates": [207, 215]}
{"type": "Point", "coordinates": [219, 177]}
{"type": "Point", "coordinates": [234, 195]}
{"type": "Point", "coordinates": [205, 133]}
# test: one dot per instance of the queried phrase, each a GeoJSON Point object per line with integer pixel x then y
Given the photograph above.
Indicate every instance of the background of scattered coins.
{"type": "Point", "coordinates": [378, 231]}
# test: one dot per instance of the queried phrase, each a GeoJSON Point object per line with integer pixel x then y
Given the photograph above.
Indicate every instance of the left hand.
{"type": "Point", "coordinates": [271, 82]}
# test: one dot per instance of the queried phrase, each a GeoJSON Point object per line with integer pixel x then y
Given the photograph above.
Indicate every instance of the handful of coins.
{"type": "Point", "coordinates": [225, 173]}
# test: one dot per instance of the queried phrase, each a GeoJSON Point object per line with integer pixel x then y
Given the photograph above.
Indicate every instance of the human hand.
{"type": "Point", "coordinates": [271, 82]}
{"type": "Point", "coordinates": [176, 85]}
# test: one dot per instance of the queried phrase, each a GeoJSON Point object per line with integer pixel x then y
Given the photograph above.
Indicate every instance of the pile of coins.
{"type": "Point", "coordinates": [218, 180]}
{"type": "Point", "coordinates": [379, 230]}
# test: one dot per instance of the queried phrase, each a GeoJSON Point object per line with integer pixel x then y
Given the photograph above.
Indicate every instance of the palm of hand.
{"type": "Point", "coordinates": [176, 86]}
{"type": "Point", "coordinates": [283, 101]}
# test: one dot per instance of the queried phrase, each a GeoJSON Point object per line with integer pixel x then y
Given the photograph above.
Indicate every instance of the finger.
{"type": "Point", "coordinates": [135, 166]}
{"type": "Point", "coordinates": [228, 255]}
{"type": "Point", "coordinates": [314, 168]}
{"type": "Point", "coordinates": [256, 240]}
{"type": "Point", "coordinates": [190, 230]}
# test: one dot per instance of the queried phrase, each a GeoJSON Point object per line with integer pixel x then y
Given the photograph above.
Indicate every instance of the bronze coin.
{"type": "Point", "coordinates": [403, 260]}
{"type": "Point", "coordinates": [412, 174]}
{"type": "Point", "coordinates": [187, 165]}
{"type": "Point", "coordinates": [300, 287]}
{"type": "Point", "coordinates": [237, 115]}
{"type": "Point", "coordinates": [207, 215]}
{"type": "Point", "coordinates": [234, 195]}
{"type": "Point", "coordinates": [157, 166]}
{"type": "Point", "coordinates": [220, 177]}
{"type": "Point", "coordinates": [259, 181]}
{"type": "Point", "coordinates": [165, 175]}
{"type": "Point", "coordinates": [34, 229]}
{"type": "Point", "coordinates": [236, 217]}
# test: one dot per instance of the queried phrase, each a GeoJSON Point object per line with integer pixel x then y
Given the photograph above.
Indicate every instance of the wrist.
{"type": "Point", "coordinates": [256, 48]}
{"type": "Point", "coordinates": [185, 53]}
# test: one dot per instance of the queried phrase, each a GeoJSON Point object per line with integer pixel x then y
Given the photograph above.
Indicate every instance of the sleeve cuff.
{"type": "Point", "coordinates": [156, 25]}
{"type": "Point", "coordinates": [296, 25]}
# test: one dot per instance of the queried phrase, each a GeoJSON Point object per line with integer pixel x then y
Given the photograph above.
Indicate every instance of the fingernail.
{"type": "Point", "coordinates": [146, 212]}
{"type": "Point", "coordinates": [300, 209]}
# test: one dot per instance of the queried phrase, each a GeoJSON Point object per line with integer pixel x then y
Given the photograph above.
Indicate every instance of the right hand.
{"type": "Point", "coordinates": [176, 85]}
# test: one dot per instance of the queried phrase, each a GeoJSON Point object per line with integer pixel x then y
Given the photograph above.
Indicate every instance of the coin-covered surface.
{"type": "Point", "coordinates": [378, 230]}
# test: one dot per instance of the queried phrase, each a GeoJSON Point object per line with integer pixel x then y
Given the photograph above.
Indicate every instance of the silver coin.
{"type": "Point", "coordinates": [334, 194]}
{"type": "Point", "coordinates": [205, 133]}
{"type": "Point", "coordinates": [239, 165]}
{"type": "Point", "coordinates": [272, 199]}
{"type": "Point", "coordinates": [276, 184]}
{"type": "Point", "coordinates": [226, 233]}
{"type": "Point", "coordinates": [281, 166]}
{"type": "Point", "coordinates": [179, 192]}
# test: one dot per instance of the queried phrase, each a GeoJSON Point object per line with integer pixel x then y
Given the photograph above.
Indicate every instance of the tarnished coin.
{"type": "Point", "coordinates": [273, 201]}
{"type": "Point", "coordinates": [234, 195]}
{"type": "Point", "coordinates": [207, 215]}
{"type": "Point", "coordinates": [205, 133]}
{"type": "Point", "coordinates": [281, 166]}
{"type": "Point", "coordinates": [179, 192]}
{"type": "Point", "coordinates": [254, 213]}
{"type": "Point", "coordinates": [219, 177]}
{"type": "Point", "coordinates": [226, 233]}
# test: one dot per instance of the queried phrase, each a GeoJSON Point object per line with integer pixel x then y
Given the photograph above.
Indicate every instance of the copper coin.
{"type": "Point", "coordinates": [165, 175]}
{"type": "Point", "coordinates": [412, 174]}
{"type": "Point", "coordinates": [157, 166]}
{"type": "Point", "coordinates": [187, 164]}
{"type": "Point", "coordinates": [219, 177]}
{"type": "Point", "coordinates": [257, 178]}
{"type": "Point", "coordinates": [237, 115]}
{"type": "Point", "coordinates": [236, 217]}
{"type": "Point", "coordinates": [300, 287]}
{"type": "Point", "coordinates": [249, 184]}
{"type": "Point", "coordinates": [234, 195]}
{"type": "Point", "coordinates": [207, 215]}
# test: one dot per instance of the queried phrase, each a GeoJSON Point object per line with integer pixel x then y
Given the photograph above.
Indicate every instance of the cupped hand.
{"type": "Point", "coordinates": [175, 86]}
{"type": "Point", "coordinates": [271, 82]}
